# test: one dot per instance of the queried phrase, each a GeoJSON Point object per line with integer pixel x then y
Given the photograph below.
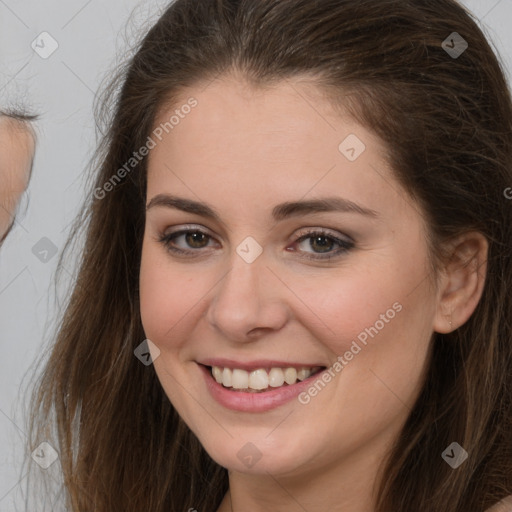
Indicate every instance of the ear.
{"type": "Point", "coordinates": [461, 282]}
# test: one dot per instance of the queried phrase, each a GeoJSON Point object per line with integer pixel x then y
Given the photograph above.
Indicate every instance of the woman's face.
{"type": "Point", "coordinates": [272, 280]}
{"type": "Point", "coordinates": [17, 146]}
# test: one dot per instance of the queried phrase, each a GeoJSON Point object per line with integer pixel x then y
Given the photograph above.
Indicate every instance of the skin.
{"type": "Point", "coordinates": [244, 150]}
{"type": "Point", "coordinates": [504, 505]}
{"type": "Point", "coordinates": [17, 146]}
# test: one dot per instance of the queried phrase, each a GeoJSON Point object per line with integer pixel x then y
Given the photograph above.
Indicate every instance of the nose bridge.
{"type": "Point", "coordinates": [246, 298]}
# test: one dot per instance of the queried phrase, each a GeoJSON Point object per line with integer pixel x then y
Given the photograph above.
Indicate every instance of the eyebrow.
{"type": "Point", "coordinates": [279, 212]}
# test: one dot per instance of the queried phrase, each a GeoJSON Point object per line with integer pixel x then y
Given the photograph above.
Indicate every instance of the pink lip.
{"type": "Point", "coordinates": [254, 402]}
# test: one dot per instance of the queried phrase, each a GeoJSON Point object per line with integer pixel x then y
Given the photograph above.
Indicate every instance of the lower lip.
{"type": "Point", "coordinates": [255, 402]}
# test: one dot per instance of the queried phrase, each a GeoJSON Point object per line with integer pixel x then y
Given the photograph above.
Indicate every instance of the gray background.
{"type": "Point", "coordinates": [92, 36]}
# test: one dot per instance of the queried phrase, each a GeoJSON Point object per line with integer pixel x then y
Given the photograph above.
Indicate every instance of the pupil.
{"type": "Point", "coordinates": [194, 239]}
{"type": "Point", "coordinates": [324, 246]}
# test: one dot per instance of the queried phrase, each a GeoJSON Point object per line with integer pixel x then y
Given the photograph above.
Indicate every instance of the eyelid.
{"type": "Point", "coordinates": [305, 230]}
{"type": "Point", "coordinates": [189, 227]}
{"type": "Point", "coordinates": [181, 230]}
{"type": "Point", "coordinates": [344, 242]}
{"type": "Point", "coordinates": [311, 230]}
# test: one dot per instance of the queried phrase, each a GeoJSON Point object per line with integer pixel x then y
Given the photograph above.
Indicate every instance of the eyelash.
{"type": "Point", "coordinates": [345, 245]}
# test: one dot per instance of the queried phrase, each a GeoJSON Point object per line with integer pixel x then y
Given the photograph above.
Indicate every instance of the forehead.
{"type": "Point", "coordinates": [271, 121]}
{"type": "Point", "coordinates": [262, 144]}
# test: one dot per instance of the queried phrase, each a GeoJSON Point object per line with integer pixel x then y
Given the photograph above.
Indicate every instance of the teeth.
{"type": "Point", "coordinates": [303, 373]}
{"type": "Point", "coordinates": [227, 377]}
{"type": "Point", "coordinates": [290, 376]}
{"type": "Point", "coordinates": [217, 374]}
{"type": "Point", "coordinates": [260, 379]}
{"type": "Point", "coordinates": [276, 377]}
{"type": "Point", "coordinates": [240, 379]}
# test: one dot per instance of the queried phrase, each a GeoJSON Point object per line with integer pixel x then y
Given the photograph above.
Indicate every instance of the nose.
{"type": "Point", "coordinates": [248, 302]}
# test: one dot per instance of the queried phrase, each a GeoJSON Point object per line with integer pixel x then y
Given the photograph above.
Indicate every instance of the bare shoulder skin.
{"type": "Point", "coordinates": [504, 505]}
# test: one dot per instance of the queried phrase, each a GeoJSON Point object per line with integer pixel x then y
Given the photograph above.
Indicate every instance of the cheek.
{"type": "Point", "coordinates": [340, 308]}
{"type": "Point", "coordinates": [377, 318]}
{"type": "Point", "coordinates": [167, 296]}
{"type": "Point", "coordinates": [383, 327]}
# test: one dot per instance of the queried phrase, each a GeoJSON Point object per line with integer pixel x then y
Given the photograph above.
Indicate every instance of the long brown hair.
{"type": "Point", "coordinates": [447, 121]}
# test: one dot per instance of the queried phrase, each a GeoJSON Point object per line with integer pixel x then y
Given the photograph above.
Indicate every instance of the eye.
{"type": "Point", "coordinates": [322, 244]}
{"type": "Point", "coordinates": [190, 240]}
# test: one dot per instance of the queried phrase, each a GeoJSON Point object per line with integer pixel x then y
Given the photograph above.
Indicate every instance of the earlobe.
{"type": "Point", "coordinates": [462, 282]}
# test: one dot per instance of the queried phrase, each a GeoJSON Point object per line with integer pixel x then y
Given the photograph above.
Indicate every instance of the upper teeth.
{"type": "Point", "coordinates": [261, 378]}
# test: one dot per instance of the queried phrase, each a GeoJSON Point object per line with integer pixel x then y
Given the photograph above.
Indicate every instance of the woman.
{"type": "Point", "coordinates": [299, 218]}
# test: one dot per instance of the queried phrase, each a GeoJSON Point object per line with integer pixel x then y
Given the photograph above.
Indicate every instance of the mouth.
{"type": "Point", "coordinates": [259, 386]}
{"type": "Point", "coordinates": [261, 380]}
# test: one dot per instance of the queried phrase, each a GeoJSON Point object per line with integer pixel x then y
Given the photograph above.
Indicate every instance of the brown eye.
{"type": "Point", "coordinates": [319, 245]}
{"type": "Point", "coordinates": [185, 241]}
{"type": "Point", "coordinates": [323, 245]}
{"type": "Point", "coordinates": [196, 239]}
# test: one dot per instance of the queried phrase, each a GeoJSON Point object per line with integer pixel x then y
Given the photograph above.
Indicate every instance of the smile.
{"type": "Point", "coordinates": [261, 379]}
{"type": "Point", "coordinates": [258, 388]}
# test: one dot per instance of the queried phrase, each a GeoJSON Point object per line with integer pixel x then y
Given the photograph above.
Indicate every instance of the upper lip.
{"type": "Point", "coordinates": [257, 364]}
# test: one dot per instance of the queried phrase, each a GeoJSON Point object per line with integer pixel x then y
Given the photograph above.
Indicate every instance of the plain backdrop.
{"type": "Point", "coordinates": [87, 38]}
